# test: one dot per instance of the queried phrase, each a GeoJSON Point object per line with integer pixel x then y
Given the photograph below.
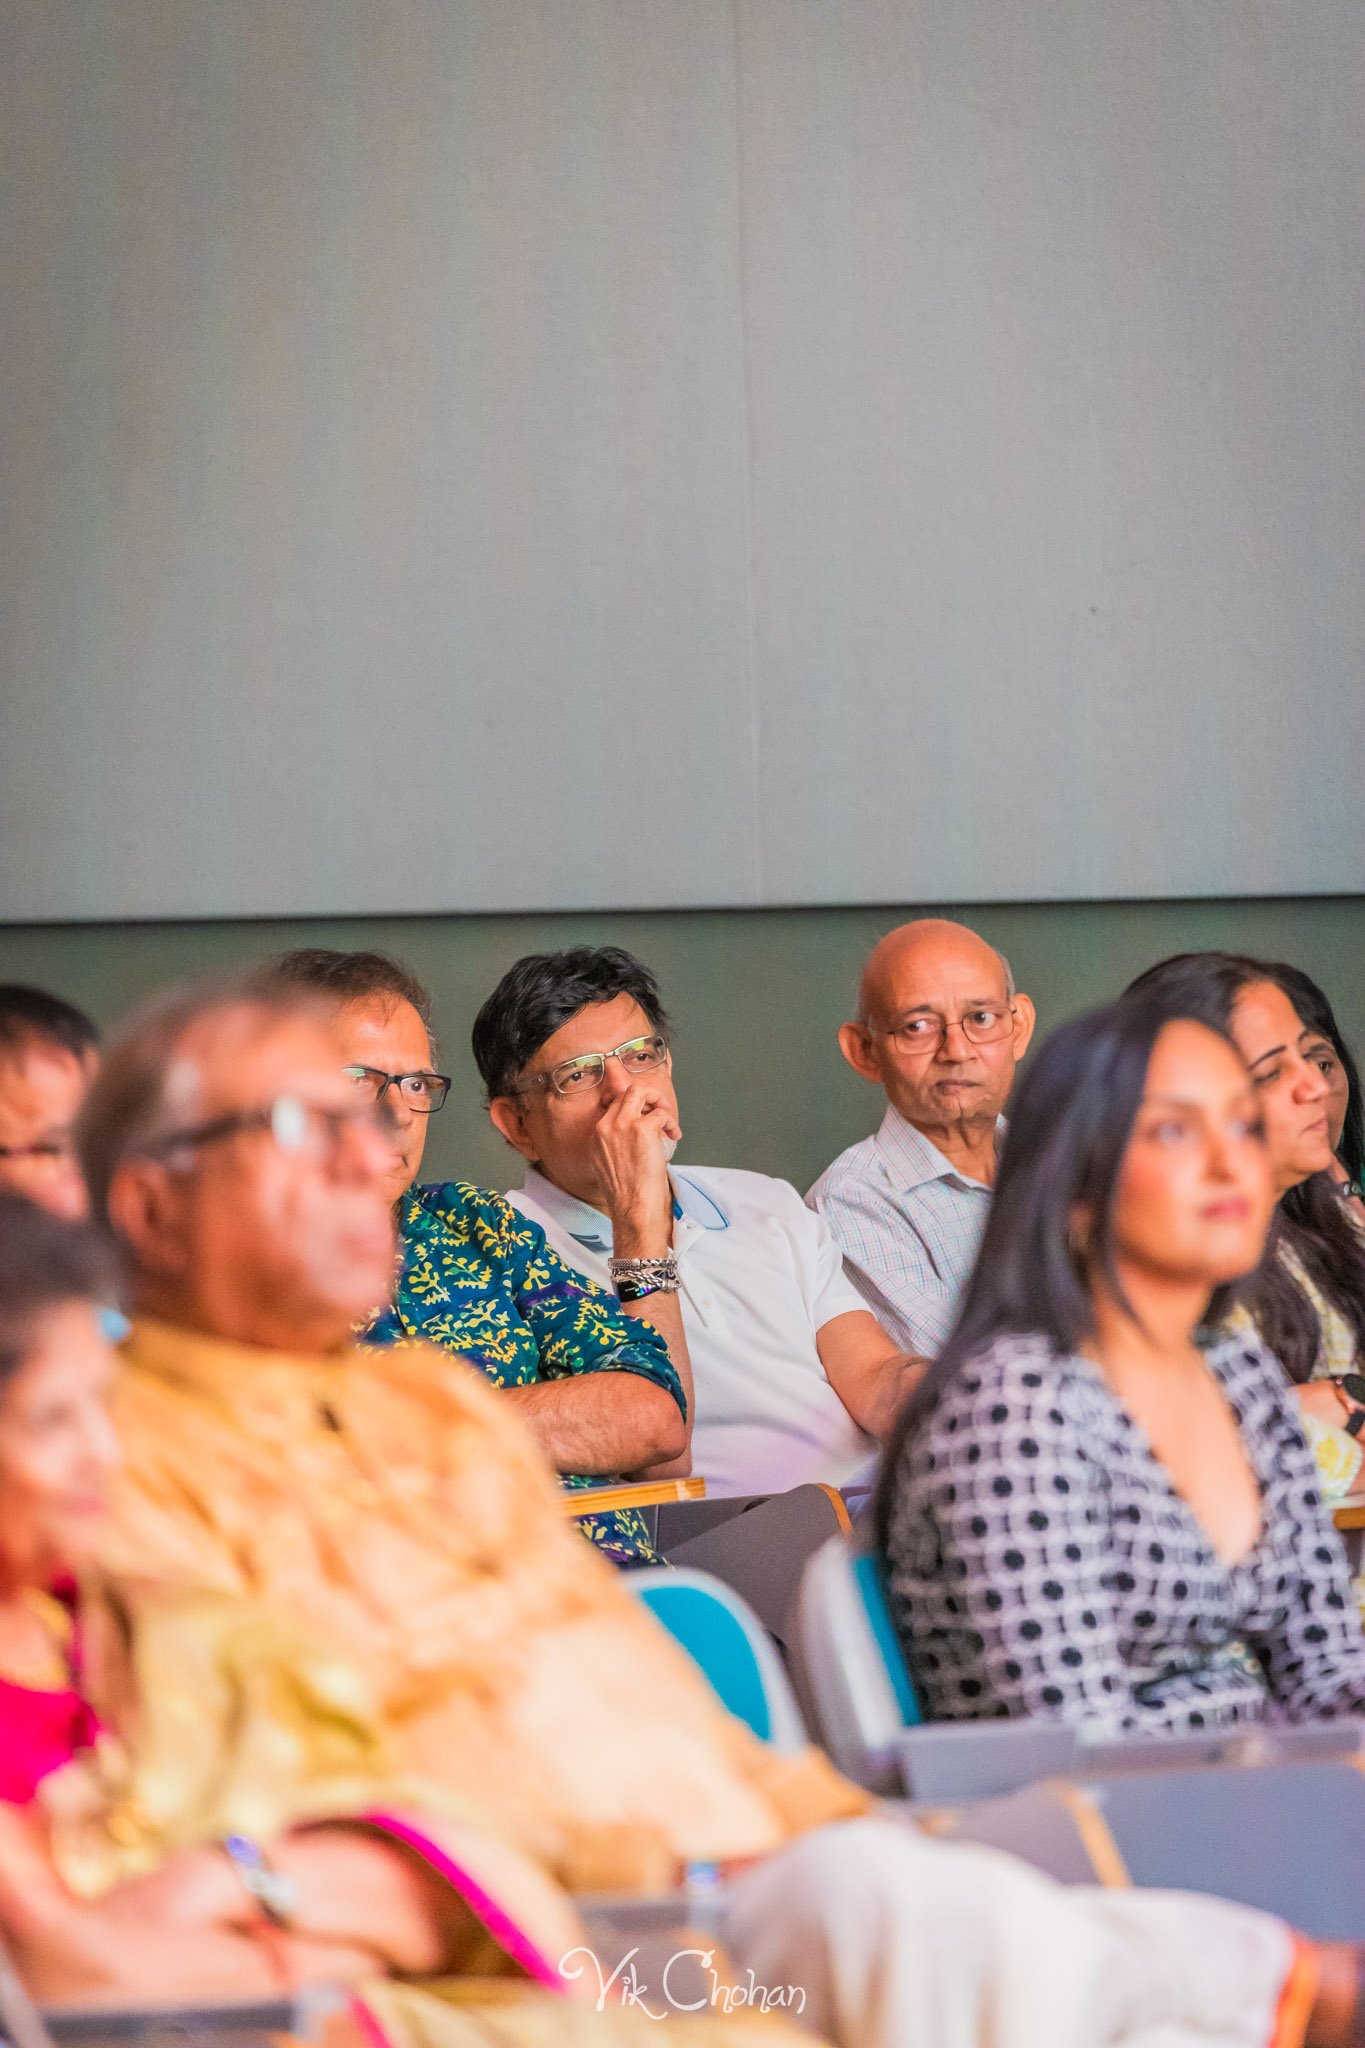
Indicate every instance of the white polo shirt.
{"type": "Point", "coordinates": [759, 1273]}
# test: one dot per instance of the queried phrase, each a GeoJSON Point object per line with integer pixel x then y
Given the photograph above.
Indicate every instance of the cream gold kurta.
{"type": "Point", "coordinates": [391, 1501]}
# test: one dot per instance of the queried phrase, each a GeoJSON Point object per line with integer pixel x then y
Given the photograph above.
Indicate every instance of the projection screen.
{"type": "Point", "coordinates": [500, 454]}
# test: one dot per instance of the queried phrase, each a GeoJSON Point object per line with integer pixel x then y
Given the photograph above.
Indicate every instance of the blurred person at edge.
{"type": "Point", "coordinates": [102, 1895]}
{"type": "Point", "coordinates": [49, 1053]}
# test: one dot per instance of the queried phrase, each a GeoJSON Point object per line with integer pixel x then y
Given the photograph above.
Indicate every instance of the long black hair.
{"type": "Point", "coordinates": [1311, 1220]}
{"type": "Point", "coordinates": [1035, 1273]}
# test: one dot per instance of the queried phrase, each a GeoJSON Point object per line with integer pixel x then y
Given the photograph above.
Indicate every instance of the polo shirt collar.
{"type": "Point", "coordinates": [590, 1228]}
{"type": "Point", "coordinates": [912, 1160]}
{"type": "Point", "coordinates": [586, 1225]}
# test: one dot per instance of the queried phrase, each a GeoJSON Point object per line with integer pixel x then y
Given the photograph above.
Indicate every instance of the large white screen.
{"type": "Point", "coordinates": [495, 454]}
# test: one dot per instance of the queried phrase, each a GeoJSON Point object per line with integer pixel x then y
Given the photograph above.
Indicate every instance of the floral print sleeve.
{"type": "Point", "coordinates": [479, 1278]}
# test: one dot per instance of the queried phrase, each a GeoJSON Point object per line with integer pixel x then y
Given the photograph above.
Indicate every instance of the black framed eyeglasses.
{"type": "Point", "coordinates": [303, 1129]}
{"type": "Point", "coordinates": [424, 1092]}
{"type": "Point", "coordinates": [926, 1030]}
{"type": "Point", "coordinates": [584, 1075]}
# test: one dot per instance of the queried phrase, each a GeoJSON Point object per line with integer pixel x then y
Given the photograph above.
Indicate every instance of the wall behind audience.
{"type": "Point", "coordinates": [488, 454]}
{"type": "Point", "coordinates": [756, 996]}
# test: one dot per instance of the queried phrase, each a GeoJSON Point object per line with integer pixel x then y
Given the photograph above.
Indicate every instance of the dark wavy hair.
{"type": "Point", "coordinates": [32, 1016]}
{"type": "Point", "coordinates": [1311, 1220]}
{"type": "Point", "coordinates": [350, 977]}
{"type": "Point", "coordinates": [540, 992]}
{"type": "Point", "coordinates": [1069, 1128]}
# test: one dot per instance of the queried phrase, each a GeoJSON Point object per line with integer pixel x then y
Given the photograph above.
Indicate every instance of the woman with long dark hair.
{"type": "Point", "coordinates": [1328, 1050]}
{"type": "Point", "coordinates": [1092, 1509]}
{"type": "Point", "coordinates": [1308, 1299]}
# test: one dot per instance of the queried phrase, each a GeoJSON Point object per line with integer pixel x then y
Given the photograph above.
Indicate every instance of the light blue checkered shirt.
{"type": "Point", "coordinates": [909, 1226]}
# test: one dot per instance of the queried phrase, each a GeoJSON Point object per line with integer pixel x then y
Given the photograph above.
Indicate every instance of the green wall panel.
{"type": "Point", "coordinates": [756, 995]}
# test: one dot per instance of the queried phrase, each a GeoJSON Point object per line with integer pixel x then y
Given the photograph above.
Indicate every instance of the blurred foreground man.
{"type": "Point", "coordinates": [393, 1503]}
{"type": "Point", "coordinates": [49, 1051]}
{"type": "Point", "coordinates": [940, 1028]}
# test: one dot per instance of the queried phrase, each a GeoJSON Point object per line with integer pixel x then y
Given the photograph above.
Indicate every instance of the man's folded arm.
{"type": "Point", "coordinates": [603, 1421]}
{"type": "Point", "coordinates": [610, 1398]}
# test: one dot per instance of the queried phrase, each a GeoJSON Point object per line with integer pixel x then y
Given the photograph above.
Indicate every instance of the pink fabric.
{"type": "Point", "coordinates": [500, 1925]}
{"type": "Point", "coordinates": [39, 1732]}
{"type": "Point", "coordinates": [368, 2022]}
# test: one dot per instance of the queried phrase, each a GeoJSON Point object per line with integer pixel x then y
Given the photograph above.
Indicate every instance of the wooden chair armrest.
{"type": "Point", "coordinates": [639, 1493]}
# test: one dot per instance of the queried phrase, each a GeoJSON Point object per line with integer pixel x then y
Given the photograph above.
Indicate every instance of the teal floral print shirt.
{"type": "Point", "coordinates": [479, 1278]}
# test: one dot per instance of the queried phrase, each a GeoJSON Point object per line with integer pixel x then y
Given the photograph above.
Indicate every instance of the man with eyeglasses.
{"type": "Point", "coordinates": [940, 1028]}
{"type": "Point", "coordinates": [49, 1051]}
{"type": "Point", "coordinates": [604, 1386]}
{"type": "Point", "coordinates": [795, 1380]}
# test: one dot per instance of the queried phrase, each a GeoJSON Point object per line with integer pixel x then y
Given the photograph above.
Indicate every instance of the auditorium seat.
{"type": "Point", "coordinates": [758, 1546]}
{"type": "Point", "coordinates": [858, 1696]}
{"type": "Point", "coordinates": [726, 1640]}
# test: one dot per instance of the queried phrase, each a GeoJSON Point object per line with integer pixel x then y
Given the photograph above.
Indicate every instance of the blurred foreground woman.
{"type": "Point", "coordinates": [1103, 1510]}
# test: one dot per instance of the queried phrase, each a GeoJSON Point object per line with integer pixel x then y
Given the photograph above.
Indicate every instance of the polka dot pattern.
{"type": "Point", "coordinates": [1042, 1563]}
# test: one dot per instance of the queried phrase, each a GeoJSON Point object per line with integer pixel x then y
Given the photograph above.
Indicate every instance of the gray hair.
{"type": "Point", "coordinates": [130, 1101]}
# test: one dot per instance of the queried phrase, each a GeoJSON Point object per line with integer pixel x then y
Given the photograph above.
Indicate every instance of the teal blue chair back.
{"type": "Point", "coordinates": [850, 1670]}
{"type": "Point", "coordinates": [725, 1640]}
{"type": "Point", "coordinates": [870, 1578]}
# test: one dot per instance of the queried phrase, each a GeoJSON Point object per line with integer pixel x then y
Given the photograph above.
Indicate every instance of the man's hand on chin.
{"type": "Point", "coordinates": [630, 1148]}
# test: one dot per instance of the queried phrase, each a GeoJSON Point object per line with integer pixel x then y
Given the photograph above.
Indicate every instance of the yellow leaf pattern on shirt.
{"type": "Point", "coordinates": [479, 1279]}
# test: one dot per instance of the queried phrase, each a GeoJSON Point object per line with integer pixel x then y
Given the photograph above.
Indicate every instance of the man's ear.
{"type": "Point", "coordinates": [1025, 1017]}
{"type": "Point", "coordinates": [855, 1045]}
{"type": "Point", "coordinates": [506, 1114]}
{"type": "Point", "coordinates": [144, 1207]}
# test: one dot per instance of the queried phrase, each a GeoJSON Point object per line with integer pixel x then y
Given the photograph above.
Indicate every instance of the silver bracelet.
{"type": "Point", "coordinates": [276, 1895]}
{"type": "Point", "coordinates": [633, 1279]}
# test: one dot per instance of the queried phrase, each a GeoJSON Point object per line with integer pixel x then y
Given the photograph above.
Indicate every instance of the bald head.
{"type": "Point", "coordinates": [919, 952]}
{"type": "Point", "coordinates": [941, 1028]}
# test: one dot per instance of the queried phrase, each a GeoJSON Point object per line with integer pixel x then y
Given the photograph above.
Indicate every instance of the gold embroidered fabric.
{"type": "Point", "coordinates": [391, 1502]}
{"type": "Point", "coordinates": [229, 1720]}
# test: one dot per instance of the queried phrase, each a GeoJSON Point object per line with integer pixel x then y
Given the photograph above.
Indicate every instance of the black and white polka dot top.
{"type": "Point", "coordinates": [1042, 1563]}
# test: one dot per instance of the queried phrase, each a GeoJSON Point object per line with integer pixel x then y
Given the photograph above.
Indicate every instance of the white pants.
{"type": "Point", "coordinates": [898, 1941]}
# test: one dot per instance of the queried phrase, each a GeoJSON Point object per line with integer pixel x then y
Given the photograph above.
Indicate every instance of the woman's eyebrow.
{"type": "Point", "coordinates": [1269, 1055]}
